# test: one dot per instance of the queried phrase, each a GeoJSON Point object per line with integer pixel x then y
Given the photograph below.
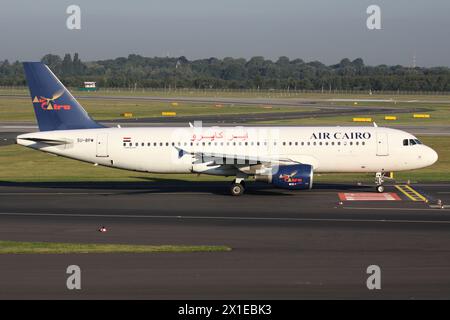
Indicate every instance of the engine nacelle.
{"type": "Point", "coordinates": [294, 177]}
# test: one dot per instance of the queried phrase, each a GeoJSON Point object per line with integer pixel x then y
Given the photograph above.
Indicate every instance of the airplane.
{"type": "Point", "coordinates": [286, 157]}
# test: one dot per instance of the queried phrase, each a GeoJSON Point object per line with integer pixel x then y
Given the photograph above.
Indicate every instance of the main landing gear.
{"type": "Point", "coordinates": [237, 187]}
{"type": "Point", "coordinates": [379, 180]}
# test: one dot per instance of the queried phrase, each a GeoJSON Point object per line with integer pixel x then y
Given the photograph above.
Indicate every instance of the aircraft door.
{"type": "Point", "coordinates": [382, 144]}
{"type": "Point", "coordinates": [102, 146]}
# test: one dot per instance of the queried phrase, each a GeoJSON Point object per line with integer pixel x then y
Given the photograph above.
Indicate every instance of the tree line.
{"type": "Point", "coordinates": [136, 71]}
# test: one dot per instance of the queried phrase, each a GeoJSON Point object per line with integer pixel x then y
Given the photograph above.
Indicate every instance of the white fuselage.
{"type": "Point", "coordinates": [174, 150]}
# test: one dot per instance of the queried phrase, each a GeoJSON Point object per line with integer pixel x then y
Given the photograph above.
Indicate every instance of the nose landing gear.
{"type": "Point", "coordinates": [379, 180]}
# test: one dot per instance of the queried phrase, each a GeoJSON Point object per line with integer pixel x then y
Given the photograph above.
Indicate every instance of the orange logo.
{"type": "Point", "coordinates": [50, 103]}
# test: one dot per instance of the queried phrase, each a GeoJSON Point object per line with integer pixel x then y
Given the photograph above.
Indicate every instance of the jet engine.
{"type": "Point", "coordinates": [293, 177]}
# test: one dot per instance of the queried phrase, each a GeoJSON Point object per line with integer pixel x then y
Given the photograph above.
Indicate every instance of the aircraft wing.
{"type": "Point", "coordinates": [215, 159]}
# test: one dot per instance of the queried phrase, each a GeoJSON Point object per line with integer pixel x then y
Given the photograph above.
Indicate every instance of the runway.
{"type": "Point", "coordinates": [286, 245]}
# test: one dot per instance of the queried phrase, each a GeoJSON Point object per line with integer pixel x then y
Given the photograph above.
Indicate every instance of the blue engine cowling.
{"type": "Point", "coordinates": [295, 177]}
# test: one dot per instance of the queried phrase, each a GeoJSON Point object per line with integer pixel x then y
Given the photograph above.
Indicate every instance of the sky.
{"type": "Point", "coordinates": [324, 30]}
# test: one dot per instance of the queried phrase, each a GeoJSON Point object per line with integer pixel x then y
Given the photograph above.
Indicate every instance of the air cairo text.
{"type": "Point", "coordinates": [341, 135]}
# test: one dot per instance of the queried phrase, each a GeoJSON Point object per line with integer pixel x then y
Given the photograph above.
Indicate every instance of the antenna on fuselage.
{"type": "Point", "coordinates": [375, 125]}
{"type": "Point", "coordinates": [191, 125]}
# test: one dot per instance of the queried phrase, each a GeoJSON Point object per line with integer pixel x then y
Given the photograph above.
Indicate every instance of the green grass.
{"type": "Point", "coordinates": [440, 115]}
{"type": "Point", "coordinates": [13, 247]}
{"type": "Point", "coordinates": [227, 93]}
{"type": "Point", "coordinates": [21, 109]}
{"type": "Point", "coordinates": [20, 164]}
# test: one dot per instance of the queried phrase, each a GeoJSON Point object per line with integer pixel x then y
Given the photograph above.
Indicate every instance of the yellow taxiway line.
{"type": "Point", "coordinates": [411, 193]}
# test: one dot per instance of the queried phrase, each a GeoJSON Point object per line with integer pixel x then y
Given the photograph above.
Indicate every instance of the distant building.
{"type": "Point", "coordinates": [89, 86]}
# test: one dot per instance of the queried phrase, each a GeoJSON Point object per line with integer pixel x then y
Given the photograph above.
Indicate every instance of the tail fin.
{"type": "Point", "coordinates": [54, 106]}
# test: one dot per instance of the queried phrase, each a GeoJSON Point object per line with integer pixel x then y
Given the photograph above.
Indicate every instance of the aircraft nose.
{"type": "Point", "coordinates": [432, 156]}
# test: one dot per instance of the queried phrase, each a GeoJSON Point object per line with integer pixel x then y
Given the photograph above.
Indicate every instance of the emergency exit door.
{"type": "Point", "coordinates": [382, 144]}
{"type": "Point", "coordinates": [102, 145]}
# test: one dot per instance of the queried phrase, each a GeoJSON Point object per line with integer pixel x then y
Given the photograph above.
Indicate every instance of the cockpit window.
{"type": "Point", "coordinates": [411, 142]}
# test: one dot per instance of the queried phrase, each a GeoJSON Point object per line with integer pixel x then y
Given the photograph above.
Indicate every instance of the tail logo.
{"type": "Point", "coordinates": [50, 103]}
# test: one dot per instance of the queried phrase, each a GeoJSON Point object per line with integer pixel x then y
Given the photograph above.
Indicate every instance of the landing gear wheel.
{"type": "Point", "coordinates": [379, 180]}
{"type": "Point", "coordinates": [237, 189]}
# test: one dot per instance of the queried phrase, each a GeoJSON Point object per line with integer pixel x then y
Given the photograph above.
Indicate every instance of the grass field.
{"type": "Point", "coordinates": [229, 93]}
{"type": "Point", "coordinates": [19, 164]}
{"type": "Point", "coordinates": [13, 247]}
{"type": "Point", "coordinates": [439, 115]}
{"type": "Point", "coordinates": [21, 109]}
